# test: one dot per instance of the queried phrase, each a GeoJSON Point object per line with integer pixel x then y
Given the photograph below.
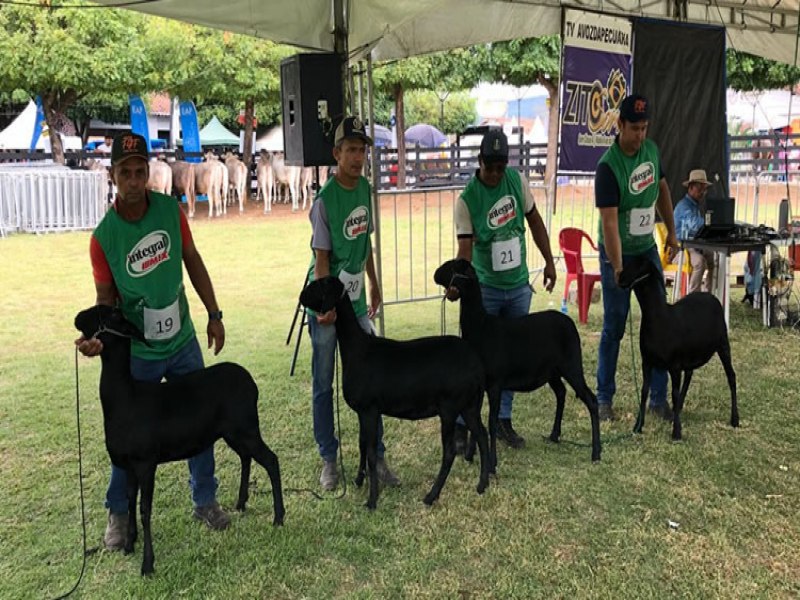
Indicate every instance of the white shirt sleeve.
{"type": "Point", "coordinates": [461, 218]}
{"type": "Point", "coordinates": [526, 191]}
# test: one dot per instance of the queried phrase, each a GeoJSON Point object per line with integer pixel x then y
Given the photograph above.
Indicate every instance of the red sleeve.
{"type": "Point", "coordinates": [186, 233]}
{"type": "Point", "coordinates": [100, 268]}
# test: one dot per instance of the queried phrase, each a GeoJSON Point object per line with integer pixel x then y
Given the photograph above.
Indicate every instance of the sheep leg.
{"type": "Point", "coordinates": [267, 459]}
{"type": "Point", "coordinates": [725, 357]}
{"type": "Point", "coordinates": [133, 492]}
{"type": "Point", "coordinates": [675, 377]}
{"type": "Point", "coordinates": [368, 440]}
{"type": "Point", "coordinates": [561, 394]}
{"type": "Point", "coordinates": [637, 428]}
{"type": "Point", "coordinates": [448, 456]}
{"type": "Point", "coordinates": [590, 400]}
{"type": "Point", "coordinates": [494, 417]}
{"type": "Point", "coordinates": [472, 418]}
{"type": "Point", "coordinates": [147, 484]}
{"type": "Point", "coordinates": [244, 481]}
{"type": "Point", "coordinates": [678, 401]}
{"type": "Point", "coordinates": [362, 458]}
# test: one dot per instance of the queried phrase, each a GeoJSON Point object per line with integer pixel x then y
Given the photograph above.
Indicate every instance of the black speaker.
{"type": "Point", "coordinates": [311, 98]}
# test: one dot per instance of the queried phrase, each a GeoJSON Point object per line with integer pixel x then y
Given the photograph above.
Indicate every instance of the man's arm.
{"type": "Point", "coordinates": [542, 241]}
{"type": "Point", "coordinates": [611, 240]}
{"type": "Point", "coordinates": [322, 268]}
{"type": "Point", "coordinates": [664, 208]}
{"type": "Point", "coordinates": [198, 274]}
{"type": "Point", "coordinates": [375, 297]}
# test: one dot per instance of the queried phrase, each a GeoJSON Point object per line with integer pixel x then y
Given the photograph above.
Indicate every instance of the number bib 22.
{"type": "Point", "coordinates": [162, 324]}
{"type": "Point", "coordinates": [506, 255]}
{"type": "Point", "coordinates": [643, 221]}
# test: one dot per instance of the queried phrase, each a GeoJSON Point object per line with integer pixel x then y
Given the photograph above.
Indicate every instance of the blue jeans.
{"type": "Point", "coordinates": [323, 351]}
{"type": "Point", "coordinates": [616, 304]}
{"type": "Point", "coordinates": [201, 467]}
{"type": "Point", "coordinates": [508, 304]}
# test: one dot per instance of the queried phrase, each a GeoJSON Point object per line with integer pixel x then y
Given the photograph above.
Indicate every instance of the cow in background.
{"type": "Point", "coordinates": [210, 178]}
{"type": "Point", "coordinates": [266, 180]}
{"type": "Point", "coordinates": [239, 178]}
{"type": "Point", "coordinates": [183, 183]}
{"type": "Point", "coordinates": [160, 179]}
{"type": "Point", "coordinates": [285, 177]}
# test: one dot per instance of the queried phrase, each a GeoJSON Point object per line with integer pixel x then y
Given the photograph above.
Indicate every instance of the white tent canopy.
{"type": "Point", "coordinates": [401, 28]}
{"type": "Point", "coordinates": [18, 134]}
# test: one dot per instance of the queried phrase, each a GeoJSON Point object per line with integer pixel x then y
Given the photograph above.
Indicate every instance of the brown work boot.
{"type": "Point", "coordinates": [213, 516]}
{"type": "Point", "coordinates": [605, 412]}
{"type": "Point", "coordinates": [116, 531]}
{"type": "Point", "coordinates": [385, 474]}
{"type": "Point", "coordinates": [662, 410]}
{"type": "Point", "coordinates": [329, 478]}
{"type": "Point", "coordinates": [505, 432]}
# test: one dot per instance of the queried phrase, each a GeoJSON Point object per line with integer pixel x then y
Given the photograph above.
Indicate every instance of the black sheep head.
{"type": "Point", "coordinates": [636, 271]}
{"type": "Point", "coordinates": [455, 273]}
{"type": "Point", "coordinates": [322, 295]}
{"type": "Point", "coordinates": [103, 321]}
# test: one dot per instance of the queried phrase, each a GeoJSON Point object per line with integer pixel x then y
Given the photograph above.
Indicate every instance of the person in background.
{"type": "Point", "coordinates": [688, 221]}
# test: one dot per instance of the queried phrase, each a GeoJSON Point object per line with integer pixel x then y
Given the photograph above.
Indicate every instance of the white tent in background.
{"type": "Point", "coordinates": [538, 134]}
{"type": "Point", "coordinates": [271, 141]}
{"type": "Point", "coordinates": [17, 136]}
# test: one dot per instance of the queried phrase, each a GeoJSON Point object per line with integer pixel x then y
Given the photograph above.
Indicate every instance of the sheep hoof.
{"type": "Point", "coordinates": [277, 521]}
{"type": "Point", "coordinates": [359, 480]}
{"type": "Point", "coordinates": [147, 571]}
{"type": "Point", "coordinates": [371, 505]}
{"type": "Point", "coordinates": [595, 459]}
{"type": "Point", "coordinates": [637, 428]}
{"type": "Point", "coordinates": [735, 422]}
{"type": "Point", "coordinates": [429, 500]}
{"type": "Point", "coordinates": [554, 438]}
{"type": "Point", "coordinates": [481, 488]}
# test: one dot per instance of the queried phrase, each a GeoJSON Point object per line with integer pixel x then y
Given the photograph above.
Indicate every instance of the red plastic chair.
{"type": "Point", "coordinates": [569, 240]}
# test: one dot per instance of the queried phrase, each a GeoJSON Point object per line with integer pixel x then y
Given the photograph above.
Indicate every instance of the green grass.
{"type": "Point", "coordinates": [551, 525]}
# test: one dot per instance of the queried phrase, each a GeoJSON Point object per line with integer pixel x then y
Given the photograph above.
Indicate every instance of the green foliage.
{"type": "Point", "coordinates": [522, 62]}
{"type": "Point", "coordinates": [425, 106]}
{"type": "Point", "coordinates": [747, 72]}
{"type": "Point", "coordinates": [453, 70]}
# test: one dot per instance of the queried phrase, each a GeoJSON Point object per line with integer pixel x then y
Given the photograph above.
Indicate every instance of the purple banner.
{"type": "Point", "coordinates": [595, 83]}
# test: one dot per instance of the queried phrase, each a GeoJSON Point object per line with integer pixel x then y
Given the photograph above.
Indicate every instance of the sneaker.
{"type": "Point", "coordinates": [606, 412]}
{"type": "Point", "coordinates": [662, 410]}
{"type": "Point", "coordinates": [329, 478]}
{"type": "Point", "coordinates": [461, 439]}
{"type": "Point", "coordinates": [116, 531]}
{"type": "Point", "coordinates": [213, 516]}
{"type": "Point", "coordinates": [385, 474]}
{"type": "Point", "coordinates": [505, 432]}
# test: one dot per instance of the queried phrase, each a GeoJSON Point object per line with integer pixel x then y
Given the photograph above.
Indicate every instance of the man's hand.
{"type": "Point", "coordinates": [616, 276]}
{"type": "Point", "coordinates": [375, 301]}
{"type": "Point", "coordinates": [673, 247]}
{"type": "Point", "coordinates": [328, 318]}
{"type": "Point", "coordinates": [452, 293]}
{"type": "Point", "coordinates": [216, 334]}
{"type": "Point", "coordinates": [90, 347]}
{"type": "Point", "coordinates": [549, 276]}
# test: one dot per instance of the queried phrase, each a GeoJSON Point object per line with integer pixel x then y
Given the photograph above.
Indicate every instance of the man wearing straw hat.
{"type": "Point", "coordinates": [688, 220]}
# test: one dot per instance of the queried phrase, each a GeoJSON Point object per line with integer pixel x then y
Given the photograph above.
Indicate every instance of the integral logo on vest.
{"type": "Point", "coordinates": [641, 178]}
{"type": "Point", "coordinates": [148, 253]}
{"type": "Point", "coordinates": [503, 211]}
{"type": "Point", "coordinates": [356, 223]}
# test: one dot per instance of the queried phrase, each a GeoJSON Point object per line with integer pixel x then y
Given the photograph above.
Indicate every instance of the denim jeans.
{"type": "Point", "coordinates": [508, 304]}
{"type": "Point", "coordinates": [201, 467]}
{"type": "Point", "coordinates": [616, 304]}
{"type": "Point", "coordinates": [323, 351]}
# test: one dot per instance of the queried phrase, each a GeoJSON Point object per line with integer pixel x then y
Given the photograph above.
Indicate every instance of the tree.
{"type": "Point", "coordinates": [70, 53]}
{"type": "Point", "coordinates": [426, 106]}
{"type": "Point", "coordinates": [522, 62]}
{"type": "Point", "coordinates": [747, 72]}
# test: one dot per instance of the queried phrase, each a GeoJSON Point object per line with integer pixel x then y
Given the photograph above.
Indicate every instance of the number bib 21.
{"type": "Point", "coordinates": [162, 324]}
{"type": "Point", "coordinates": [352, 284]}
{"type": "Point", "coordinates": [506, 255]}
{"type": "Point", "coordinates": [643, 221]}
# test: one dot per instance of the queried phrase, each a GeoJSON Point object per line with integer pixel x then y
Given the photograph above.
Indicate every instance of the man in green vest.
{"type": "Point", "coordinates": [341, 219]}
{"type": "Point", "coordinates": [630, 187]}
{"type": "Point", "coordinates": [138, 252]}
{"type": "Point", "coordinates": [490, 218]}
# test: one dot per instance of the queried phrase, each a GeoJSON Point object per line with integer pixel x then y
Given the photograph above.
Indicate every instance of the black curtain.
{"type": "Point", "coordinates": [680, 69]}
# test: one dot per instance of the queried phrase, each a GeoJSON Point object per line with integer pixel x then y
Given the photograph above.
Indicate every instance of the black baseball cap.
{"type": "Point", "coordinates": [128, 145]}
{"type": "Point", "coordinates": [351, 127]}
{"type": "Point", "coordinates": [635, 108]}
{"type": "Point", "coordinates": [494, 146]}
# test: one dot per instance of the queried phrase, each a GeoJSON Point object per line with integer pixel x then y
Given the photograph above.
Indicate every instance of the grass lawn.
{"type": "Point", "coordinates": [552, 524]}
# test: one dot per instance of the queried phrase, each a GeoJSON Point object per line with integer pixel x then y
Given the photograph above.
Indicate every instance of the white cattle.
{"type": "Point", "coordinates": [238, 176]}
{"type": "Point", "coordinates": [266, 180]}
{"type": "Point", "coordinates": [160, 179]}
{"type": "Point", "coordinates": [210, 179]}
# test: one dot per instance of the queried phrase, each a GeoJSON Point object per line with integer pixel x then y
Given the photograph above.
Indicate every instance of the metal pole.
{"type": "Point", "coordinates": [376, 204]}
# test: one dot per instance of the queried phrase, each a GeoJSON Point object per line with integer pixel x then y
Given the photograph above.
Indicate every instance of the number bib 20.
{"type": "Point", "coordinates": [506, 255]}
{"type": "Point", "coordinates": [643, 221]}
{"type": "Point", "coordinates": [352, 284]}
{"type": "Point", "coordinates": [163, 323]}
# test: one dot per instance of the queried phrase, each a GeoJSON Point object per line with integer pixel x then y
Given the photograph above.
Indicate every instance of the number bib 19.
{"type": "Point", "coordinates": [506, 255]}
{"type": "Point", "coordinates": [352, 284]}
{"type": "Point", "coordinates": [643, 221]}
{"type": "Point", "coordinates": [162, 324]}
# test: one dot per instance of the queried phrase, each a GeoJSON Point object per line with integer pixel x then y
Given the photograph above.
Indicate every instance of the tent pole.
{"type": "Point", "coordinates": [376, 205]}
{"type": "Point", "coordinates": [340, 35]}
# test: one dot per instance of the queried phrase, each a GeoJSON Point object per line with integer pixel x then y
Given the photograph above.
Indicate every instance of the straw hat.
{"type": "Point", "coordinates": [697, 176]}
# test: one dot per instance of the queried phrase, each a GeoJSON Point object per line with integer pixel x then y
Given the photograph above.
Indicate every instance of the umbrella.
{"type": "Point", "coordinates": [425, 135]}
{"type": "Point", "coordinates": [383, 136]}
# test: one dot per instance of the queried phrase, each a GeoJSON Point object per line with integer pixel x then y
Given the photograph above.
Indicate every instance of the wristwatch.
{"type": "Point", "coordinates": [215, 315]}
